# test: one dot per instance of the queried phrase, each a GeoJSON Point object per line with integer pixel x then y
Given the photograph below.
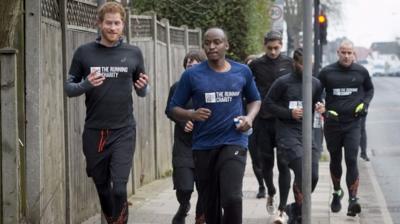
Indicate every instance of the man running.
{"type": "Point", "coordinates": [284, 100]}
{"type": "Point", "coordinates": [217, 87]}
{"type": "Point", "coordinates": [349, 91]}
{"type": "Point", "coordinates": [106, 71]}
{"type": "Point", "coordinates": [266, 70]}
{"type": "Point", "coordinates": [182, 156]}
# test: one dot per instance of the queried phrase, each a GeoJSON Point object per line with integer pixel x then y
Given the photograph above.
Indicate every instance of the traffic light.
{"type": "Point", "coordinates": [323, 26]}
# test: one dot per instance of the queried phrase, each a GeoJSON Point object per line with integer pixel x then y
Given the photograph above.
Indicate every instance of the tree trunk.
{"type": "Point", "coordinates": [9, 14]}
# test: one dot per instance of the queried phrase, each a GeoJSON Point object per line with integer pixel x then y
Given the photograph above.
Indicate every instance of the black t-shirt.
{"type": "Point", "coordinates": [266, 71]}
{"type": "Point", "coordinates": [179, 133]}
{"type": "Point", "coordinates": [110, 105]}
{"type": "Point", "coordinates": [285, 94]}
{"type": "Point", "coordinates": [345, 88]}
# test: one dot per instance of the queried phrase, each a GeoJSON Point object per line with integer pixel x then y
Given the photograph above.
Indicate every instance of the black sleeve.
{"type": "Point", "coordinates": [317, 97]}
{"type": "Point", "coordinates": [321, 77]}
{"type": "Point", "coordinates": [273, 97]}
{"type": "Point", "coordinates": [252, 68]}
{"type": "Point", "coordinates": [168, 109]}
{"type": "Point", "coordinates": [76, 85]}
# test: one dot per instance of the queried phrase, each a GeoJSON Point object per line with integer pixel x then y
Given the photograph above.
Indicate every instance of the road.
{"type": "Point", "coordinates": [383, 130]}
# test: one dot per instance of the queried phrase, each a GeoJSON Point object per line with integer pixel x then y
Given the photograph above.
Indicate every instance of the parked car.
{"type": "Point", "coordinates": [378, 70]}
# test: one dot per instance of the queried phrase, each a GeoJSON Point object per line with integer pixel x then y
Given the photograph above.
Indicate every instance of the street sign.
{"type": "Point", "coordinates": [276, 15]}
{"type": "Point", "coordinates": [276, 12]}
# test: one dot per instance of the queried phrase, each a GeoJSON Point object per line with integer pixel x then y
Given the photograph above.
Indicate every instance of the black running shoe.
{"type": "Point", "coordinates": [181, 214]}
{"type": "Point", "coordinates": [294, 213]}
{"type": "Point", "coordinates": [354, 207]}
{"type": "Point", "coordinates": [335, 204]}
{"type": "Point", "coordinates": [364, 157]}
{"type": "Point", "coordinates": [261, 192]}
{"type": "Point", "coordinates": [289, 212]}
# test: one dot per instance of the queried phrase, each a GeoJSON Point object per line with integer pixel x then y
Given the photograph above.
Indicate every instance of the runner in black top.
{"type": "Point", "coordinates": [266, 70]}
{"type": "Point", "coordinates": [349, 91]}
{"type": "Point", "coordinates": [182, 156]}
{"type": "Point", "coordinates": [105, 71]}
{"type": "Point", "coordinates": [284, 100]}
{"type": "Point", "coordinates": [254, 154]}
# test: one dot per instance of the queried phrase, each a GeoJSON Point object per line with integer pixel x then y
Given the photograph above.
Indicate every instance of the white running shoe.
{"type": "Point", "coordinates": [270, 205]}
{"type": "Point", "coordinates": [280, 217]}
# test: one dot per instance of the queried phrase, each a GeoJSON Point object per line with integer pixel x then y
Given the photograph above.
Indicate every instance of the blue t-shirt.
{"type": "Point", "coordinates": [222, 93]}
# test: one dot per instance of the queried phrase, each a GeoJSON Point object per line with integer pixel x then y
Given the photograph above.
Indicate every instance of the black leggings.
{"type": "Point", "coordinates": [285, 178]}
{"type": "Point", "coordinates": [263, 139]}
{"type": "Point", "coordinates": [363, 139]}
{"type": "Point", "coordinates": [113, 200]}
{"type": "Point", "coordinates": [183, 196]}
{"type": "Point", "coordinates": [256, 161]}
{"type": "Point", "coordinates": [345, 135]}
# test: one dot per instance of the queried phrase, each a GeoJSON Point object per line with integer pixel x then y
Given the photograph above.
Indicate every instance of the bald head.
{"type": "Point", "coordinates": [346, 44]}
{"type": "Point", "coordinates": [215, 31]}
{"type": "Point", "coordinates": [345, 53]}
{"type": "Point", "coordinates": [215, 44]}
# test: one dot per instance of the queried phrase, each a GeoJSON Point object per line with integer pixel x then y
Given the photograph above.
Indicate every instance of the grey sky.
{"type": "Point", "coordinates": [367, 21]}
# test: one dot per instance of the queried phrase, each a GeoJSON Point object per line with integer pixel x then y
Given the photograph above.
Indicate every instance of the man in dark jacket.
{"type": "Point", "coordinates": [182, 156]}
{"type": "Point", "coordinates": [284, 101]}
{"type": "Point", "coordinates": [266, 70]}
{"type": "Point", "coordinates": [106, 71]}
{"type": "Point", "coordinates": [349, 91]}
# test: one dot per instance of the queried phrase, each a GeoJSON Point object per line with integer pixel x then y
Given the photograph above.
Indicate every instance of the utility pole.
{"type": "Point", "coordinates": [317, 46]}
{"type": "Point", "coordinates": [307, 107]}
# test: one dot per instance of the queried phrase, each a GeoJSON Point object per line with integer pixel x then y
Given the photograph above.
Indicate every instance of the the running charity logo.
{"type": "Point", "coordinates": [220, 97]}
{"type": "Point", "coordinates": [344, 91]}
{"type": "Point", "coordinates": [110, 71]}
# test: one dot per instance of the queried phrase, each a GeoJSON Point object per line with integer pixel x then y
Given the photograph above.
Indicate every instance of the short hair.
{"type": "Point", "coordinates": [298, 54]}
{"type": "Point", "coordinates": [346, 42]}
{"type": "Point", "coordinates": [272, 35]}
{"type": "Point", "coordinates": [197, 55]}
{"type": "Point", "coordinates": [111, 7]}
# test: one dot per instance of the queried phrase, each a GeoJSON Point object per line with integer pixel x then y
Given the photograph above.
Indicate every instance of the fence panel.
{"type": "Point", "coordinates": [10, 160]}
{"type": "Point", "coordinates": [81, 188]}
{"type": "Point", "coordinates": [178, 53]}
{"type": "Point", "coordinates": [51, 109]}
{"type": "Point", "coordinates": [163, 125]}
{"type": "Point", "coordinates": [144, 165]}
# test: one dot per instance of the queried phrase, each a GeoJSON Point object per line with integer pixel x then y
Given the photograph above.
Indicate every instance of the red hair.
{"type": "Point", "coordinates": [111, 7]}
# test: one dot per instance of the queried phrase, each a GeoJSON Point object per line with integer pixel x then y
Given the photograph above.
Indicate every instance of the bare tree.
{"type": "Point", "coordinates": [294, 20]}
{"type": "Point", "coordinates": [9, 13]}
{"type": "Point", "coordinates": [294, 16]}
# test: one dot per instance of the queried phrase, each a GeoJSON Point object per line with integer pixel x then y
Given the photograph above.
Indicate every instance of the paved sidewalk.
{"type": "Point", "coordinates": [155, 203]}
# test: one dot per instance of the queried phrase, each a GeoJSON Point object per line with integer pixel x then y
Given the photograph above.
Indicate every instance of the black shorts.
{"type": "Point", "coordinates": [290, 146]}
{"type": "Point", "coordinates": [183, 178]}
{"type": "Point", "coordinates": [109, 153]}
{"type": "Point", "coordinates": [347, 135]}
{"type": "Point", "coordinates": [221, 168]}
{"type": "Point", "coordinates": [264, 138]}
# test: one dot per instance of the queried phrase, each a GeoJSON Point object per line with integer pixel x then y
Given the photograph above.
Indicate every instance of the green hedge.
{"type": "Point", "coordinates": [245, 21]}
